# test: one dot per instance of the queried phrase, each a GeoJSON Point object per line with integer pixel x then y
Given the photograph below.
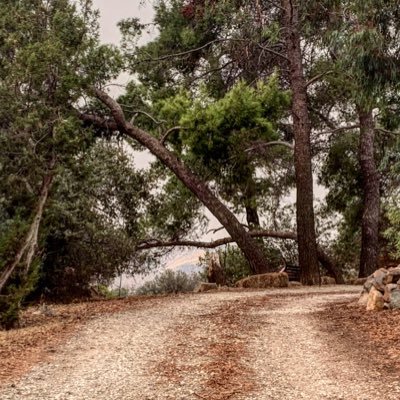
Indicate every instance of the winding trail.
{"type": "Point", "coordinates": [217, 346]}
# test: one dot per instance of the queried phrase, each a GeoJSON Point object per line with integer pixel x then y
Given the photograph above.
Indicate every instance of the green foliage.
{"type": "Point", "coordinates": [49, 58]}
{"type": "Point", "coordinates": [392, 233]}
{"type": "Point", "coordinates": [234, 263]}
{"type": "Point", "coordinates": [92, 222]}
{"type": "Point", "coordinates": [215, 133]}
{"type": "Point", "coordinates": [169, 282]}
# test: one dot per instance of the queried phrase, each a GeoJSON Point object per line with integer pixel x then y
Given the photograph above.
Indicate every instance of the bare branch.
{"type": "Point", "coordinates": [183, 53]}
{"type": "Point", "coordinates": [272, 51]}
{"type": "Point", "coordinates": [275, 5]}
{"type": "Point", "coordinates": [168, 132]}
{"type": "Point", "coordinates": [263, 145]}
{"type": "Point", "coordinates": [136, 112]}
{"type": "Point", "coordinates": [340, 129]}
{"type": "Point", "coordinates": [154, 243]}
{"type": "Point", "coordinates": [387, 131]}
{"type": "Point", "coordinates": [318, 77]}
{"type": "Point", "coordinates": [323, 257]}
{"type": "Point", "coordinates": [330, 124]}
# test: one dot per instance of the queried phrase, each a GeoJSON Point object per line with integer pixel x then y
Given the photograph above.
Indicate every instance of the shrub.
{"type": "Point", "coordinates": [169, 282]}
{"type": "Point", "coordinates": [235, 264]}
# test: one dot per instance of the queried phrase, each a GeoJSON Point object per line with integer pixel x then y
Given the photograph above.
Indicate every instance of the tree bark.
{"type": "Point", "coordinates": [371, 196]}
{"type": "Point", "coordinates": [307, 245]}
{"type": "Point", "coordinates": [245, 242]}
{"type": "Point", "coordinates": [252, 217]}
{"type": "Point", "coordinates": [28, 248]}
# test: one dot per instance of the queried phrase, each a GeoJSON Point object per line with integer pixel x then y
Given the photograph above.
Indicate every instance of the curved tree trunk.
{"type": "Point", "coordinates": [27, 250]}
{"type": "Point", "coordinates": [371, 196]}
{"type": "Point", "coordinates": [307, 244]}
{"type": "Point", "coordinates": [246, 243]}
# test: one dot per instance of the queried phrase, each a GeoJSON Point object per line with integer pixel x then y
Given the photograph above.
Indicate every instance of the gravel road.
{"type": "Point", "coordinates": [215, 346]}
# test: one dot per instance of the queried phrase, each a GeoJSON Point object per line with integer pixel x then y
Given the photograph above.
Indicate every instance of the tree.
{"type": "Point", "coordinates": [302, 150]}
{"type": "Point", "coordinates": [47, 60]}
{"type": "Point", "coordinates": [249, 247]}
{"type": "Point", "coordinates": [362, 49]}
{"type": "Point", "coordinates": [220, 42]}
{"type": "Point", "coordinates": [93, 221]}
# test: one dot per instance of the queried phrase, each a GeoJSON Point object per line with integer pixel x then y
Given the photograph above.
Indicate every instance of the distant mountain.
{"type": "Point", "coordinates": [187, 268]}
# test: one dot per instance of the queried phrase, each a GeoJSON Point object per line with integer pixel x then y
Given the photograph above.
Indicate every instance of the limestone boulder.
{"type": "Point", "coordinates": [394, 300]}
{"type": "Point", "coordinates": [375, 300]}
{"type": "Point", "coordinates": [363, 300]}
{"type": "Point", "coordinates": [382, 290]}
{"type": "Point", "coordinates": [393, 276]}
{"type": "Point", "coordinates": [379, 279]}
{"type": "Point", "coordinates": [205, 287]}
{"type": "Point", "coordinates": [262, 281]}
{"type": "Point", "coordinates": [388, 290]}
{"type": "Point", "coordinates": [368, 283]}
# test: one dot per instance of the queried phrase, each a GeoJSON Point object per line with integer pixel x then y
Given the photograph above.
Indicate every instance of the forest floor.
{"type": "Point", "coordinates": [286, 344]}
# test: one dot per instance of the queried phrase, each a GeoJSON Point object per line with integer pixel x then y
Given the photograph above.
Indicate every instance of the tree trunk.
{"type": "Point", "coordinates": [249, 194]}
{"type": "Point", "coordinates": [245, 242]}
{"type": "Point", "coordinates": [330, 265]}
{"type": "Point", "coordinates": [371, 197]}
{"type": "Point", "coordinates": [307, 245]}
{"type": "Point", "coordinates": [28, 247]}
{"type": "Point", "coordinates": [252, 218]}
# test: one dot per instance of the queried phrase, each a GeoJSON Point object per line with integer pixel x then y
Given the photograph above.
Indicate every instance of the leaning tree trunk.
{"type": "Point", "coordinates": [28, 247]}
{"type": "Point", "coordinates": [307, 244]}
{"type": "Point", "coordinates": [371, 197]}
{"type": "Point", "coordinates": [245, 242]}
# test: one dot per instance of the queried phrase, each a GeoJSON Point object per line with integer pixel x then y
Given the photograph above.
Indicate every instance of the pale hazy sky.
{"type": "Point", "coordinates": [112, 11]}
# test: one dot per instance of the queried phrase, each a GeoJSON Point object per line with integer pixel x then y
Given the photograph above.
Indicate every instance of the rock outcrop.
{"type": "Point", "coordinates": [382, 290]}
{"type": "Point", "coordinates": [269, 280]}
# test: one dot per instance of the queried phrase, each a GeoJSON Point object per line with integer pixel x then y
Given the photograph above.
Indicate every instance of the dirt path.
{"type": "Point", "coordinates": [216, 346]}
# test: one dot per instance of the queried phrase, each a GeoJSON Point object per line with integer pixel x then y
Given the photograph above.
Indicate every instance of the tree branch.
{"type": "Point", "coordinates": [154, 243]}
{"type": "Point", "coordinates": [183, 53]}
{"type": "Point", "coordinates": [99, 122]}
{"type": "Point", "coordinates": [272, 51]}
{"type": "Point", "coordinates": [387, 131]}
{"type": "Point", "coordinates": [136, 112]}
{"type": "Point", "coordinates": [259, 146]}
{"type": "Point", "coordinates": [340, 129]}
{"type": "Point", "coordinates": [168, 132]}
{"type": "Point", "coordinates": [318, 77]}
{"type": "Point", "coordinates": [323, 257]}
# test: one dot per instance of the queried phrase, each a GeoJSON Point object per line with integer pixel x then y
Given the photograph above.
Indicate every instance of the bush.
{"type": "Point", "coordinates": [235, 264]}
{"type": "Point", "coordinates": [169, 282]}
{"type": "Point", "coordinates": [392, 233]}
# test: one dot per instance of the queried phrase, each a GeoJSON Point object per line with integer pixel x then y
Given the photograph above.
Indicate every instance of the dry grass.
{"type": "Point", "coordinates": [374, 336]}
{"type": "Point", "coordinates": [39, 334]}
{"type": "Point", "coordinates": [220, 340]}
